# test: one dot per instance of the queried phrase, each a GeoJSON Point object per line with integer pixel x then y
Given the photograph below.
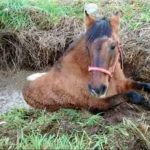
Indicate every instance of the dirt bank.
{"type": "Point", "coordinates": [36, 48]}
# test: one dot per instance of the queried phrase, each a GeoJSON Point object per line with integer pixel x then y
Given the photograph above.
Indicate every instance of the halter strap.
{"type": "Point", "coordinates": [120, 49]}
{"type": "Point", "coordinates": [111, 70]}
{"type": "Point", "coordinates": [100, 69]}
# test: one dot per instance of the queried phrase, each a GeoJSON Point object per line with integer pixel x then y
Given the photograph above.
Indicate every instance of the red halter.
{"type": "Point", "coordinates": [111, 70]}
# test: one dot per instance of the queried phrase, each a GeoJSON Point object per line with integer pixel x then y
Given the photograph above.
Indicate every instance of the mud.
{"type": "Point", "coordinates": [10, 90]}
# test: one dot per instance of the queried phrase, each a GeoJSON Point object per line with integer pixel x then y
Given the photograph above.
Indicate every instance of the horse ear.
{"type": "Point", "coordinates": [89, 20]}
{"type": "Point", "coordinates": [115, 22]}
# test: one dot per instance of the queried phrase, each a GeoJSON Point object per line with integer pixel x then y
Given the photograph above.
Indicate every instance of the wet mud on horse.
{"type": "Point", "coordinates": [89, 75]}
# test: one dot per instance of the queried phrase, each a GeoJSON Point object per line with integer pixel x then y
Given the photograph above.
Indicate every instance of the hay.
{"type": "Point", "coordinates": [137, 53]}
{"type": "Point", "coordinates": [11, 52]}
{"type": "Point", "coordinates": [35, 49]}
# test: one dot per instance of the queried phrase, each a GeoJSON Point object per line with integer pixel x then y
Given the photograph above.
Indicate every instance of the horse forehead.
{"type": "Point", "coordinates": [98, 43]}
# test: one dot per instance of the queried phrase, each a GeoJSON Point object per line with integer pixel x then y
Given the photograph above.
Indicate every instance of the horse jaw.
{"type": "Point", "coordinates": [35, 76]}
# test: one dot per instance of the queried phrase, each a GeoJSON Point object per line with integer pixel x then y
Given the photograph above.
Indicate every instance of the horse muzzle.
{"type": "Point", "coordinates": [99, 92]}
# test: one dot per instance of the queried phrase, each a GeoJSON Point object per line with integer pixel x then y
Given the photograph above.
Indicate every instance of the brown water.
{"type": "Point", "coordinates": [11, 90]}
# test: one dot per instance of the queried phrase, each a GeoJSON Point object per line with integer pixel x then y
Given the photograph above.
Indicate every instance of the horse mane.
{"type": "Point", "coordinates": [74, 43]}
{"type": "Point", "coordinates": [71, 47]}
{"type": "Point", "coordinates": [99, 29]}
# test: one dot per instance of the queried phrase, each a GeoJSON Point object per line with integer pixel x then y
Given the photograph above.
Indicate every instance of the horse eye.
{"type": "Point", "coordinates": [112, 46]}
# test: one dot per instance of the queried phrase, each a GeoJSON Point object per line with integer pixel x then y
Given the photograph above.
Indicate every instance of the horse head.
{"type": "Point", "coordinates": [102, 44]}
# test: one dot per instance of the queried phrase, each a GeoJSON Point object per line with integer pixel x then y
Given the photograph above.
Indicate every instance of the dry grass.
{"type": "Point", "coordinates": [11, 50]}
{"type": "Point", "coordinates": [35, 49]}
{"type": "Point", "coordinates": [137, 53]}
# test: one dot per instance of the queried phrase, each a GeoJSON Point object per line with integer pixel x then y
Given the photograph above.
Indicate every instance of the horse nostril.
{"type": "Point", "coordinates": [102, 89]}
{"type": "Point", "coordinates": [97, 91]}
{"type": "Point", "coordinates": [92, 90]}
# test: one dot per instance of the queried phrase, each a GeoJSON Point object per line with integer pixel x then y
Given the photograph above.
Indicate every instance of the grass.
{"type": "Point", "coordinates": [66, 129]}
{"type": "Point", "coordinates": [134, 14]}
{"type": "Point", "coordinates": [18, 15]}
{"type": "Point", "coordinates": [35, 129]}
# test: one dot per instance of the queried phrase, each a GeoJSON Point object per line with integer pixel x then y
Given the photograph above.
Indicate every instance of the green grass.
{"type": "Point", "coordinates": [16, 14]}
{"type": "Point", "coordinates": [23, 14]}
{"type": "Point", "coordinates": [134, 15]}
{"type": "Point", "coordinates": [64, 129]}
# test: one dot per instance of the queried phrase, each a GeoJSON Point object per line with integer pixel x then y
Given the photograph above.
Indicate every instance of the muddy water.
{"type": "Point", "coordinates": [10, 90]}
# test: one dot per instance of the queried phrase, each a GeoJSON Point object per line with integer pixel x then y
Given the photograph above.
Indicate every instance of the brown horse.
{"type": "Point", "coordinates": [89, 75]}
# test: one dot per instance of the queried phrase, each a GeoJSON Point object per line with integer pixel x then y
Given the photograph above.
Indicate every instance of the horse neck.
{"type": "Point", "coordinates": [78, 58]}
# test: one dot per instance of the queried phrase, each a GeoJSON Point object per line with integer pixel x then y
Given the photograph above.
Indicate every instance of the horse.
{"type": "Point", "coordinates": [89, 75]}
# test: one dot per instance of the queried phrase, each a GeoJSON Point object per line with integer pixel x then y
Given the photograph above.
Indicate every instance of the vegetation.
{"type": "Point", "coordinates": [16, 14]}
{"type": "Point", "coordinates": [67, 129]}
{"type": "Point", "coordinates": [64, 129]}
